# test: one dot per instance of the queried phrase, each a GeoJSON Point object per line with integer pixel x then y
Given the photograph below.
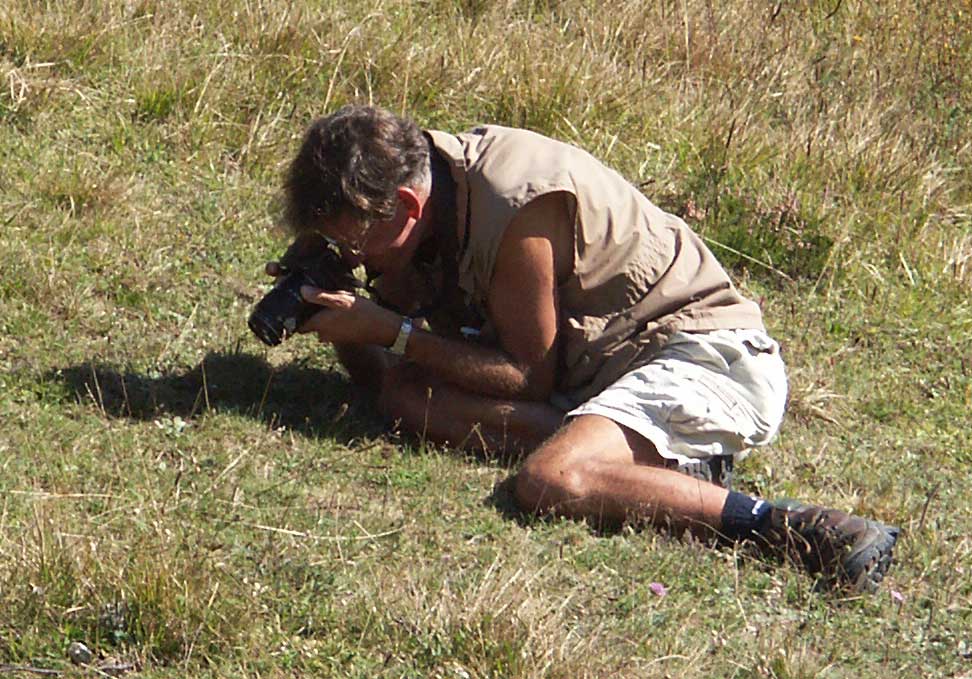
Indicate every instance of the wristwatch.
{"type": "Point", "coordinates": [398, 348]}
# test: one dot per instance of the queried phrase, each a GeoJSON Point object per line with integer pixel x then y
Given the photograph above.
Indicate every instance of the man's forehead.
{"type": "Point", "coordinates": [341, 224]}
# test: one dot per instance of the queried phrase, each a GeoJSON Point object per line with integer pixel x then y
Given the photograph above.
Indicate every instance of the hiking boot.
{"type": "Point", "coordinates": [846, 550]}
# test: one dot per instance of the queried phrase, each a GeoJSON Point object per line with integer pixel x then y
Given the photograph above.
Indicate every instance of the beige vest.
{"type": "Point", "coordinates": [639, 273]}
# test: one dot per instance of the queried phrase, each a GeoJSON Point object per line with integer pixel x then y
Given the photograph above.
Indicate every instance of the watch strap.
{"type": "Point", "coordinates": [404, 332]}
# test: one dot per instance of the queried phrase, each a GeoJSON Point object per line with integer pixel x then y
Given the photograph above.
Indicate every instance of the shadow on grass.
{"type": "Point", "coordinates": [305, 399]}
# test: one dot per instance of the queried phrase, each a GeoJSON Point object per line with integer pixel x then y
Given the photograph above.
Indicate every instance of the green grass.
{"type": "Point", "coordinates": [177, 498]}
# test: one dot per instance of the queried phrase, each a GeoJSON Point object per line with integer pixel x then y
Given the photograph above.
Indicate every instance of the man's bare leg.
{"type": "Point", "coordinates": [594, 468]}
{"type": "Point", "coordinates": [445, 414]}
{"type": "Point", "coordinates": [442, 413]}
{"type": "Point", "coordinates": [365, 363]}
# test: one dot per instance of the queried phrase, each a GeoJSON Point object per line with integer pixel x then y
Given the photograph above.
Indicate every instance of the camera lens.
{"type": "Point", "coordinates": [265, 329]}
{"type": "Point", "coordinates": [282, 310]}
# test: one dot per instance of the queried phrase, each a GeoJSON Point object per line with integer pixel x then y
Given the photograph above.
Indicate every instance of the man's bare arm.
{"type": "Point", "coordinates": [522, 304]}
{"type": "Point", "coordinates": [479, 397]}
{"type": "Point", "coordinates": [478, 369]}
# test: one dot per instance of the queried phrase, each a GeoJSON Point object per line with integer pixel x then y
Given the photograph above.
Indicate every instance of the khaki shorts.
{"type": "Point", "coordinates": [705, 395]}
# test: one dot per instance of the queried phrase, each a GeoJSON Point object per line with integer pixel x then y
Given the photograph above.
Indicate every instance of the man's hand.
{"type": "Point", "coordinates": [346, 318]}
{"type": "Point", "coordinates": [350, 319]}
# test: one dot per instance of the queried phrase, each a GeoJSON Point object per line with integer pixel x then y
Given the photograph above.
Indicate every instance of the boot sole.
{"type": "Point", "coordinates": [865, 566]}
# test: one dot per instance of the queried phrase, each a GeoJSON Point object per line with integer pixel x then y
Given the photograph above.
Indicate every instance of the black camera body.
{"type": "Point", "coordinates": [312, 261]}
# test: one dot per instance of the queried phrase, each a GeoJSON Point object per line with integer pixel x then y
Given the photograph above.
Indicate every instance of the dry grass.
{"type": "Point", "coordinates": [185, 503]}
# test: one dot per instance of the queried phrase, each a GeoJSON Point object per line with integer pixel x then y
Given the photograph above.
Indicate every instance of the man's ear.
{"type": "Point", "coordinates": [411, 201]}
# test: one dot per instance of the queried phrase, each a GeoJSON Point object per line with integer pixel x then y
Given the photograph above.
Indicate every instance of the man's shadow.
{"type": "Point", "coordinates": [305, 399]}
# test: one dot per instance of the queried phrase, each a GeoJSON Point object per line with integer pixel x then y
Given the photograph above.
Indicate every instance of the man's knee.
{"type": "Point", "coordinates": [550, 477]}
{"type": "Point", "coordinates": [402, 387]}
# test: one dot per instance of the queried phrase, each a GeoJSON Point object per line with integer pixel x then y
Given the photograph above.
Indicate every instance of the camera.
{"type": "Point", "coordinates": [312, 261]}
{"type": "Point", "coordinates": [283, 309]}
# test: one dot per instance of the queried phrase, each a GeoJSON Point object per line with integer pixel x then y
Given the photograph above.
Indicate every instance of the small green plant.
{"type": "Point", "coordinates": [155, 104]}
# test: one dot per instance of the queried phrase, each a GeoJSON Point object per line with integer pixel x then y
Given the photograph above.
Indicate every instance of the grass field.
{"type": "Point", "coordinates": [188, 504]}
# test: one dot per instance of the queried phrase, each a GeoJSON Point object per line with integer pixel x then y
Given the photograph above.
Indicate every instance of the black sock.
{"type": "Point", "coordinates": [743, 516]}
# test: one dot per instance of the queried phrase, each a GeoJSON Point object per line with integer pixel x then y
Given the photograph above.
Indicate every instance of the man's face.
{"type": "Point", "coordinates": [379, 246]}
{"type": "Point", "coordinates": [350, 236]}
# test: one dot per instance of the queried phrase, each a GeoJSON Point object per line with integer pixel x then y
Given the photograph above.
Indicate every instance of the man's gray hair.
{"type": "Point", "coordinates": [353, 162]}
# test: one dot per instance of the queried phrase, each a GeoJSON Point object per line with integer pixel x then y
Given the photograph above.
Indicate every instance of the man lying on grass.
{"type": "Point", "coordinates": [530, 297]}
